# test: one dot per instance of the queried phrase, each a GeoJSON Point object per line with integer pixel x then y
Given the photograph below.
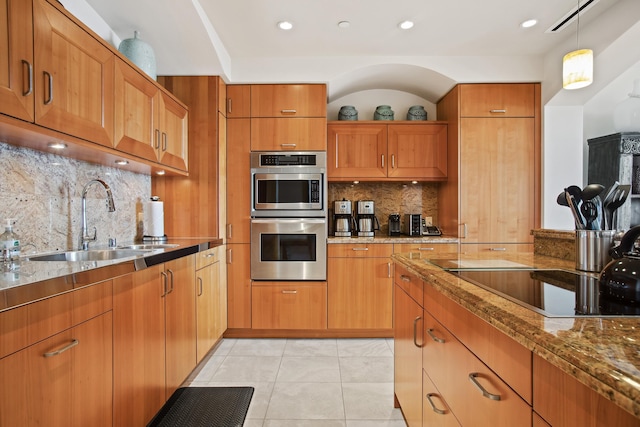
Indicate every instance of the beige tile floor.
{"type": "Point", "coordinates": [308, 382]}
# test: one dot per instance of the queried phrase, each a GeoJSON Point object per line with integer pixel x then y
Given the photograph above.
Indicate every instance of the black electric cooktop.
{"type": "Point", "coordinates": [552, 293]}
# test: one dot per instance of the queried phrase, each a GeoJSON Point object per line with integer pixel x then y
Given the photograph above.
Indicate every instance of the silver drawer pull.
{"type": "Point", "coordinates": [289, 292]}
{"type": "Point", "coordinates": [49, 99]}
{"type": "Point", "coordinates": [209, 255]}
{"type": "Point", "coordinates": [433, 406]}
{"type": "Point", "coordinates": [434, 337]}
{"type": "Point", "coordinates": [29, 90]}
{"type": "Point", "coordinates": [405, 278]}
{"type": "Point", "coordinates": [426, 249]}
{"type": "Point", "coordinates": [359, 249]}
{"type": "Point", "coordinates": [200, 287]}
{"type": "Point", "coordinates": [498, 249]}
{"type": "Point", "coordinates": [288, 111]}
{"type": "Point", "coordinates": [498, 111]}
{"type": "Point", "coordinates": [72, 344]}
{"type": "Point", "coordinates": [415, 331]}
{"type": "Point", "coordinates": [473, 378]}
{"type": "Point", "coordinates": [288, 145]}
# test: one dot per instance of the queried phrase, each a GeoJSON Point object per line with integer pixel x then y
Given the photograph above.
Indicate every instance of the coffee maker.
{"type": "Point", "coordinates": [394, 224]}
{"type": "Point", "coordinates": [343, 223]}
{"type": "Point", "coordinates": [366, 219]}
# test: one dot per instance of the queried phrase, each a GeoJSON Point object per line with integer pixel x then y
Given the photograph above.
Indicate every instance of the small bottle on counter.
{"type": "Point", "coordinates": [9, 243]}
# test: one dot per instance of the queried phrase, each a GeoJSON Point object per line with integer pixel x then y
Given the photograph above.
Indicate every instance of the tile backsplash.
{"type": "Point", "coordinates": [43, 192]}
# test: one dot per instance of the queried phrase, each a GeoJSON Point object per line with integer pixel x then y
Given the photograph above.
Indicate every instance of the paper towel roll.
{"type": "Point", "coordinates": [153, 219]}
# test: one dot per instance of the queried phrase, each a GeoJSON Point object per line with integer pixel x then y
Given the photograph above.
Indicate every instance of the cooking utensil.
{"type": "Point", "coordinates": [573, 205]}
{"type": "Point", "coordinates": [591, 191]}
{"type": "Point", "coordinates": [617, 199]}
{"type": "Point", "coordinates": [589, 210]}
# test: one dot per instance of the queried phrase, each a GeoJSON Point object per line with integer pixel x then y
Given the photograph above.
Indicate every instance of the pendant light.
{"type": "Point", "coordinates": [577, 66]}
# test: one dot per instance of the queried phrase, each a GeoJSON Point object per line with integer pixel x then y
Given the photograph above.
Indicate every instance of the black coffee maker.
{"type": "Point", "coordinates": [394, 224]}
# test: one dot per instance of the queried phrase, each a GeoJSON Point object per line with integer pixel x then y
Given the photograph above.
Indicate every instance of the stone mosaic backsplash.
{"type": "Point", "coordinates": [42, 191]}
{"type": "Point", "coordinates": [389, 197]}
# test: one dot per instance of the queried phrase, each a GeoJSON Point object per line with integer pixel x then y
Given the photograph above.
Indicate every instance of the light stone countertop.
{"type": "Point", "coordinates": [393, 239]}
{"type": "Point", "coordinates": [600, 352]}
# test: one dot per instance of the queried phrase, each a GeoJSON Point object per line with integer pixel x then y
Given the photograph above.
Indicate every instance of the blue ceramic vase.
{"type": "Point", "coordinates": [416, 112]}
{"type": "Point", "coordinates": [348, 112]}
{"type": "Point", "coordinates": [383, 112]}
{"type": "Point", "coordinates": [140, 53]}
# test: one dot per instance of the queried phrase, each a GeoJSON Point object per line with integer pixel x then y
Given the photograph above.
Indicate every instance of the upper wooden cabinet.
{"type": "Point", "coordinates": [73, 77]}
{"type": "Point", "coordinates": [289, 100]}
{"type": "Point", "coordinates": [172, 132]}
{"type": "Point", "coordinates": [16, 59]}
{"type": "Point", "coordinates": [374, 151]}
{"type": "Point", "coordinates": [238, 101]}
{"type": "Point", "coordinates": [497, 100]}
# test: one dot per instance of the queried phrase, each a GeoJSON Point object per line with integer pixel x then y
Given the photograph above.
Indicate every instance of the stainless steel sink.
{"type": "Point", "coordinates": [90, 255]}
{"type": "Point", "coordinates": [149, 246]}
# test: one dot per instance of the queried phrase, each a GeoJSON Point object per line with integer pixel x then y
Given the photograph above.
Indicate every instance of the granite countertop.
{"type": "Point", "coordinates": [35, 280]}
{"type": "Point", "coordinates": [600, 352]}
{"type": "Point", "coordinates": [393, 239]}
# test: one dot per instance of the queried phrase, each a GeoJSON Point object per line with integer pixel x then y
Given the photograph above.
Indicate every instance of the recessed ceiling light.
{"type": "Point", "coordinates": [529, 23]}
{"type": "Point", "coordinates": [344, 24]}
{"type": "Point", "coordinates": [405, 25]}
{"type": "Point", "coordinates": [285, 25]}
{"type": "Point", "coordinates": [57, 145]}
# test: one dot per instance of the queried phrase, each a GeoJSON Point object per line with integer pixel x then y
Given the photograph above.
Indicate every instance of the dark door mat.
{"type": "Point", "coordinates": [205, 406]}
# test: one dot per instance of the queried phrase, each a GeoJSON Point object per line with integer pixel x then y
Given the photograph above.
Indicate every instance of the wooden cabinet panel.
{"type": "Point", "coordinates": [221, 96]}
{"type": "Point", "coordinates": [238, 181]}
{"type": "Point", "coordinates": [563, 401]}
{"type": "Point", "coordinates": [207, 308]}
{"type": "Point", "coordinates": [356, 150]}
{"type": "Point", "coordinates": [289, 100]}
{"type": "Point", "coordinates": [497, 182]}
{"type": "Point", "coordinates": [291, 305]}
{"type": "Point", "coordinates": [435, 411]}
{"type": "Point", "coordinates": [74, 75]}
{"type": "Point", "coordinates": [425, 248]}
{"type": "Point", "coordinates": [408, 341]}
{"type": "Point", "coordinates": [293, 134]}
{"type": "Point", "coordinates": [239, 285]}
{"type": "Point", "coordinates": [238, 101]}
{"type": "Point", "coordinates": [412, 285]}
{"type": "Point", "coordinates": [417, 151]}
{"type": "Point", "coordinates": [173, 131]}
{"type": "Point", "coordinates": [539, 422]}
{"type": "Point", "coordinates": [497, 100]}
{"type": "Point", "coordinates": [16, 59]}
{"type": "Point", "coordinates": [359, 250]}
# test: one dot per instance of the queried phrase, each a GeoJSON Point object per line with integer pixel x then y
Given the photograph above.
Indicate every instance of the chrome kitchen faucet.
{"type": "Point", "coordinates": [111, 207]}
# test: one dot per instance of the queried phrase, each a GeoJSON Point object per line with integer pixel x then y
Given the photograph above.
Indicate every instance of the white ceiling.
{"type": "Point", "coordinates": [239, 40]}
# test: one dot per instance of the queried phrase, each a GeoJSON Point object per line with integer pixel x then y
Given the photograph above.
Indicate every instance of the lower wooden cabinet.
{"type": "Point", "coordinates": [211, 302]}
{"type": "Point", "coordinates": [435, 411]}
{"type": "Point", "coordinates": [239, 286]}
{"type": "Point", "coordinates": [289, 305]}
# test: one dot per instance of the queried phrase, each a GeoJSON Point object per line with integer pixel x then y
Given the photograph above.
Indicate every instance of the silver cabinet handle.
{"type": "Point", "coordinates": [359, 249]}
{"type": "Point", "coordinates": [289, 292]}
{"type": "Point", "coordinates": [210, 255]}
{"type": "Point", "coordinates": [288, 145]}
{"type": "Point", "coordinates": [164, 141]}
{"type": "Point", "coordinates": [200, 286]}
{"type": "Point", "coordinates": [72, 344]}
{"type": "Point", "coordinates": [389, 269]}
{"type": "Point", "coordinates": [473, 378]}
{"type": "Point", "coordinates": [230, 256]}
{"type": "Point", "coordinates": [229, 231]}
{"type": "Point", "coordinates": [464, 230]}
{"type": "Point", "coordinates": [426, 249]}
{"type": "Point", "coordinates": [415, 331]}
{"type": "Point", "coordinates": [393, 161]}
{"type": "Point", "coordinates": [336, 151]}
{"type": "Point", "coordinates": [382, 160]}
{"type": "Point", "coordinates": [29, 78]}
{"type": "Point", "coordinates": [498, 249]}
{"type": "Point", "coordinates": [171, 288]}
{"type": "Point", "coordinates": [288, 111]}
{"type": "Point", "coordinates": [434, 337]}
{"type": "Point", "coordinates": [405, 278]}
{"type": "Point", "coordinates": [164, 284]}
{"type": "Point", "coordinates": [433, 406]}
{"type": "Point", "coordinates": [157, 138]}
{"type": "Point", "coordinates": [498, 111]}
{"type": "Point", "coordinates": [49, 99]}
{"type": "Point", "coordinates": [228, 105]}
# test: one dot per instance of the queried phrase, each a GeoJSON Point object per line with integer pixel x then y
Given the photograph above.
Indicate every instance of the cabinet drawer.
{"type": "Point", "coordinates": [409, 283]}
{"type": "Point", "coordinates": [497, 100]}
{"type": "Point", "coordinates": [496, 247]}
{"type": "Point", "coordinates": [289, 100]}
{"type": "Point", "coordinates": [435, 411]}
{"type": "Point", "coordinates": [509, 359]}
{"type": "Point", "coordinates": [425, 248]}
{"type": "Point", "coordinates": [294, 305]}
{"type": "Point", "coordinates": [359, 250]}
{"type": "Point", "coordinates": [475, 394]}
{"type": "Point", "coordinates": [207, 257]}
{"type": "Point", "coordinates": [292, 134]}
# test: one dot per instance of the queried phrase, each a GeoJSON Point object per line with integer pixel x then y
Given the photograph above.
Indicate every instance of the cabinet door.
{"type": "Point", "coordinates": [238, 181]}
{"type": "Point", "coordinates": [497, 100]}
{"type": "Point", "coordinates": [74, 75]}
{"type": "Point", "coordinates": [207, 306]}
{"type": "Point", "coordinates": [135, 112]}
{"type": "Point", "coordinates": [288, 134]}
{"type": "Point", "coordinates": [408, 341]}
{"type": "Point", "coordinates": [360, 293]}
{"type": "Point", "coordinates": [239, 286]}
{"type": "Point", "coordinates": [180, 321]}
{"type": "Point", "coordinates": [238, 101]}
{"type": "Point", "coordinates": [294, 305]}
{"type": "Point", "coordinates": [138, 346]}
{"type": "Point", "coordinates": [357, 151]}
{"type": "Point", "coordinates": [16, 59]}
{"type": "Point", "coordinates": [289, 100]}
{"type": "Point", "coordinates": [418, 151]}
{"type": "Point", "coordinates": [173, 132]}
{"type": "Point", "coordinates": [497, 179]}
{"type": "Point", "coordinates": [435, 411]}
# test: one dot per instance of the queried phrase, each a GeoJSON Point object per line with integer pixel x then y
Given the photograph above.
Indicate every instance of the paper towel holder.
{"type": "Point", "coordinates": [155, 238]}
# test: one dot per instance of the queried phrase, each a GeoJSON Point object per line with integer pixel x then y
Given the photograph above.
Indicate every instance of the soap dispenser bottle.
{"type": "Point", "coordinates": [9, 243]}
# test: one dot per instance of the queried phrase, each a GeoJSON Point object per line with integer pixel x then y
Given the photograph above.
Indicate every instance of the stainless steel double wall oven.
{"type": "Point", "coordinates": [288, 216]}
